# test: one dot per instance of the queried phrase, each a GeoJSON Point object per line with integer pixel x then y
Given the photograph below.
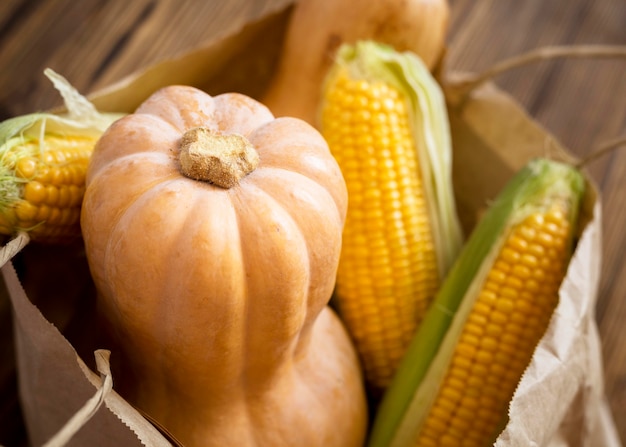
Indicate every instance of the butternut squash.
{"type": "Point", "coordinates": [213, 233]}
{"type": "Point", "coordinates": [317, 28]}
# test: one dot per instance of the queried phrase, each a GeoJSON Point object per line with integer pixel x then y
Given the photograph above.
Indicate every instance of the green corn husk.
{"type": "Point", "coordinates": [407, 401]}
{"type": "Point", "coordinates": [28, 136]}
{"type": "Point", "coordinates": [81, 117]}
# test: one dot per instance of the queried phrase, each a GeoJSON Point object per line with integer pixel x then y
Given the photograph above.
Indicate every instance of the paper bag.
{"type": "Point", "coordinates": [560, 400]}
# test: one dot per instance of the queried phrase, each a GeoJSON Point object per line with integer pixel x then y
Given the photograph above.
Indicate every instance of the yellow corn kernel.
{"type": "Point", "coordinates": [49, 175]}
{"type": "Point", "coordinates": [388, 272]}
{"type": "Point", "coordinates": [495, 364]}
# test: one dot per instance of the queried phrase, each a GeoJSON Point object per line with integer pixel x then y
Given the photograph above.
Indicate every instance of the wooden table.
{"type": "Point", "coordinates": [582, 102]}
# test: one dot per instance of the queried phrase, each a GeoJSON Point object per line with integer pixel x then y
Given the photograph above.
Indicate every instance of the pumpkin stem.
{"type": "Point", "coordinates": [220, 159]}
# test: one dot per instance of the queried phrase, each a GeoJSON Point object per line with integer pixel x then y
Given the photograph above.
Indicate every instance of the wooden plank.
{"type": "Point", "coordinates": [95, 43]}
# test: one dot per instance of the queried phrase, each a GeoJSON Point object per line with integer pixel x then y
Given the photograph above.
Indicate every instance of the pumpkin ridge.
{"type": "Point", "coordinates": [143, 139]}
{"type": "Point", "coordinates": [236, 201]}
{"type": "Point", "coordinates": [130, 202]}
{"type": "Point", "coordinates": [153, 157]}
{"type": "Point", "coordinates": [135, 202]}
{"type": "Point", "coordinates": [268, 178]}
{"type": "Point", "coordinates": [241, 195]}
{"type": "Point", "coordinates": [200, 108]}
{"type": "Point", "coordinates": [310, 178]}
{"type": "Point", "coordinates": [196, 227]}
{"type": "Point", "coordinates": [310, 158]}
{"type": "Point", "coordinates": [237, 113]}
{"type": "Point", "coordinates": [95, 196]}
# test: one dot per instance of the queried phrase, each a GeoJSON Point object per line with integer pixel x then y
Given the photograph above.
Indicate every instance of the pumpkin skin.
{"type": "Point", "coordinates": [218, 297]}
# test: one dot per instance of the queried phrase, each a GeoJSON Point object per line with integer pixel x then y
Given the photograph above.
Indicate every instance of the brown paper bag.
{"type": "Point", "coordinates": [560, 400]}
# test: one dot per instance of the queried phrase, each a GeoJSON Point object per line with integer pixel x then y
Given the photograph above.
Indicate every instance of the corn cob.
{"type": "Point", "coordinates": [42, 186]}
{"type": "Point", "coordinates": [467, 358]}
{"type": "Point", "coordinates": [43, 161]}
{"type": "Point", "coordinates": [384, 120]}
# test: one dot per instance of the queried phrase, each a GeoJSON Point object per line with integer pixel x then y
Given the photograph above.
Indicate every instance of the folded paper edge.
{"type": "Point", "coordinates": [146, 433]}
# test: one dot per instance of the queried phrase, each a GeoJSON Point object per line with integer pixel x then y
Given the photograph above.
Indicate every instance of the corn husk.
{"type": "Point", "coordinates": [431, 132]}
{"type": "Point", "coordinates": [415, 386]}
{"type": "Point", "coordinates": [26, 135]}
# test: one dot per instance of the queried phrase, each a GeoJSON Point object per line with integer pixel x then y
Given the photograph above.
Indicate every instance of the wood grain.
{"type": "Point", "coordinates": [582, 102]}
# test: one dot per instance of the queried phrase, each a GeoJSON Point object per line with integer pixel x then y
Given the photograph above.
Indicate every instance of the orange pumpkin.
{"type": "Point", "coordinates": [213, 233]}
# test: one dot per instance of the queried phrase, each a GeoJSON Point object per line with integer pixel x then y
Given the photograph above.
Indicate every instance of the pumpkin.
{"type": "Point", "coordinates": [213, 232]}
